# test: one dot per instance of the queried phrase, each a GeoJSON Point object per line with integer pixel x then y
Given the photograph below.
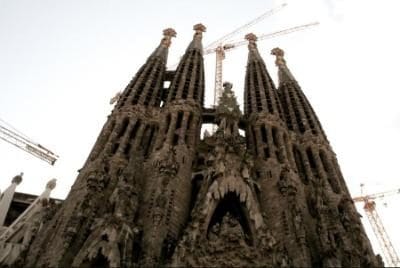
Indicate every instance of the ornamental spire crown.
{"type": "Point", "coordinates": [198, 35]}
{"type": "Point", "coordinates": [168, 34]}
{"type": "Point", "coordinates": [284, 73]}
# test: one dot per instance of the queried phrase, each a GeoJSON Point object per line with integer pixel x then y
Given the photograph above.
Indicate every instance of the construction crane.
{"type": "Point", "coordinates": [391, 257]}
{"type": "Point", "coordinates": [11, 135]}
{"type": "Point", "coordinates": [220, 50]}
{"type": "Point", "coordinates": [219, 46]}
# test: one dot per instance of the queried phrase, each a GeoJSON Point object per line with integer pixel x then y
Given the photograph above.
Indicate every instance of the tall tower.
{"type": "Point", "coordinates": [280, 193]}
{"type": "Point", "coordinates": [334, 234]}
{"type": "Point", "coordinates": [168, 187]}
{"type": "Point", "coordinates": [152, 193]}
{"type": "Point", "coordinates": [97, 221]}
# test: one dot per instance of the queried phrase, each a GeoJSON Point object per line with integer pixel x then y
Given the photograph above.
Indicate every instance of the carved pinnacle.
{"type": "Point", "coordinates": [199, 28]}
{"type": "Point", "coordinates": [279, 53]}
{"type": "Point", "coordinates": [168, 34]}
{"type": "Point", "coordinates": [17, 179]}
{"type": "Point", "coordinates": [227, 85]}
{"type": "Point", "coordinates": [252, 38]}
{"type": "Point", "coordinates": [51, 184]}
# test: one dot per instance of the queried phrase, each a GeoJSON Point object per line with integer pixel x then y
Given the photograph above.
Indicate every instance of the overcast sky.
{"type": "Point", "coordinates": [61, 61]}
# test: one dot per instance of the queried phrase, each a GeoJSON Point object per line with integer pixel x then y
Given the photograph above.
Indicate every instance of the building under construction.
{"type": "Point", "coordinates": [152, 192]}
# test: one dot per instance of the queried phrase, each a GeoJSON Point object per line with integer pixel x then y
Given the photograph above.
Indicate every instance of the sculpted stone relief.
{"type": "Point", "coordinates": [227, 242]}
{"type": "Point", "coordinates": [113, 233]}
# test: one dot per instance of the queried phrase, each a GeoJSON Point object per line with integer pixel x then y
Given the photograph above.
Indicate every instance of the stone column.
{"type": "Point", "coordinates": [7, 197]}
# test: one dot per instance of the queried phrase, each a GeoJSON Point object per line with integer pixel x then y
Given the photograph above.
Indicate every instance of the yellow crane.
{"type": "Point", "coordinates": [14, 137]}
{"type": "Point", "coordinates": [221, 47]}
{"type": "Point", "coordinates": [391, 257]}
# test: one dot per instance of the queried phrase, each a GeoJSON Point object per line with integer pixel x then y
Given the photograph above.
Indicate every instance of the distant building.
{"type": "Point", "coordinates": [153, 193]}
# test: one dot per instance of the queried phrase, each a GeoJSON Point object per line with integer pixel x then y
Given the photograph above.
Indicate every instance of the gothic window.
{"type": "Point", "coordinates": [134, 130]}
{"type": "Point", "coordinates": [300, 165]}
{"type": "Point", "coordinates": [146, 138]}
{"type": "Point", "coordinates": [131, 138]}
{"type": "Point", "coordinates": [255, 145]}
{"type": "Point", "coordinates": [140, 87]}
{"type": "Point", "coordinates": [285, 107]}
{"type": "Point", "coordinates": [230, 219]}
{"type": "Point", "coordinates": [198, 75]}
{"type": "Point", "coordinates": [257, 89]}
{"type": "Point", "coordinates": [296, 109]}
{"type": "Point", "coordinates": [311, 159]}
{"type": "Point", "coordinates": [167, 123]}
{"type": "Point", "coordinates": [275, 138]}
{"type": "Point", "coordinates": [266, 152]}
{"type": "Point", "coordinates": [267, 92]}
{"type": "Point", "coordinates": [175, 140]}
{"type": "Point", "coordinates": [264, 135]}
{"type": "Point", "coordinates": [152, 88]}
{"type": "Point", "coordinates": [331, 175]}
{"type": "Point", "coordinates": [188, 128]}
{"type": "Point", "coordinates": [123, 127]}
{"type": "Point", "coordinates": [179, 120]}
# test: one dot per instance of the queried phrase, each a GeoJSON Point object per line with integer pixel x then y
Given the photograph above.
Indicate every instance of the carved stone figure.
{"type": "Point", "coordinates": [135, 202]}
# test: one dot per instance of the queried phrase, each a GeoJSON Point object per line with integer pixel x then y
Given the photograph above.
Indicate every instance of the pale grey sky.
{"type": "Point", "coordinates": [61, 61]}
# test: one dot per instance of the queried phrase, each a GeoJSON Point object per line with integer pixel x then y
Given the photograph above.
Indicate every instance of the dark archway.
{"type": "Point", "coordinates": [231, 204]}
{"type": "Point", "coordinates": [99, 262]}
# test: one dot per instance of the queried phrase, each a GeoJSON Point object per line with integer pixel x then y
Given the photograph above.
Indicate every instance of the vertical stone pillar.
{"type": "Point", "coordinates": [7, 197]}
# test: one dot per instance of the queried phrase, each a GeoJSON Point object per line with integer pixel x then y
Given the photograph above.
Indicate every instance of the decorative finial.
{"type": "Point", "coordinates": [199, 28]}
{"type": "Point", "coordinates": [284, 72]}
{"type": "Point", "coordinates": [279, 53]}
{"type": "Point", "coordinates": [227, 85]}
{"type": "Point", "coordinates": [168, 34]}
{"type": "Point", "coordinates": [51, 184]}
{"type": "Point", "coordinates": [252, 38]}
{"type": "Point", "coordinates": [17, 179]}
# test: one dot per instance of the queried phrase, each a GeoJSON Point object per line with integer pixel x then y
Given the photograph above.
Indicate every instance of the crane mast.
{"type": "Point", "coordinates": [27, 145]}
{"type": "Point", "coordinates": [221, 45]}
{"type": "Point", "coordinates": [385, 244]}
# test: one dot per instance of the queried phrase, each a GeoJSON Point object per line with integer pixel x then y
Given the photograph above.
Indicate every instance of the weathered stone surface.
{"type": "Point", "coordinates": [152, 193]}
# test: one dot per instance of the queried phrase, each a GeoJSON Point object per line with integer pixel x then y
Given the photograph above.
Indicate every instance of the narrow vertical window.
{"type": "Point", "coordinates": [300, 165]}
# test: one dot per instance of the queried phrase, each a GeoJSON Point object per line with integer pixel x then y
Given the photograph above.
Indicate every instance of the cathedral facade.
{"type": "Point", "coordinates": [153, 193]}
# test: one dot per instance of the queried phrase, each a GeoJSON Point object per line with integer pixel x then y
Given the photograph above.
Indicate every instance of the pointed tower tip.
{"type": "Point", "coordinates": [51, 184]}
{"type": "Point", "coordinates": [198, 35]}
{"type": "Point", "coordinates": [199, 28]}
{"type": "Point", "coordinates": [227, 85]}
{"type": "Point", "coordinates": [284, 73]}
{"type": "Point", "coordinates": [279, 53]}
{"type": "Point", "coordinates": [252, 38]}
{"type": "Point", "coordinates": [17, 179]}
{"type": "Point", "coordinates": [168, 34]}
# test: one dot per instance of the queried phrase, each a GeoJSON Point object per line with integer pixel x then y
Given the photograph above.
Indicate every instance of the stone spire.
{"type": "Point", "coordinates": [139, 90]}
{"type": "Point", "coordinates": [299, 114]}
{"type": "Point", "coordinates": [198, 35]}
{"type": "Point", "coordinates": [228, 112]}
{"type": "Point", "coordinates": [169, 167]}
{"type": "Point", "coordinates": [188, 82]}
{"type": "Point", "coordinates": [284, 72]}
{"type": "Point", "coordinates": [162, 49]}
{"type": "Point", "coordinates": [260, 93]}
{"type": "Point", "coordinates": [227, 103]}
